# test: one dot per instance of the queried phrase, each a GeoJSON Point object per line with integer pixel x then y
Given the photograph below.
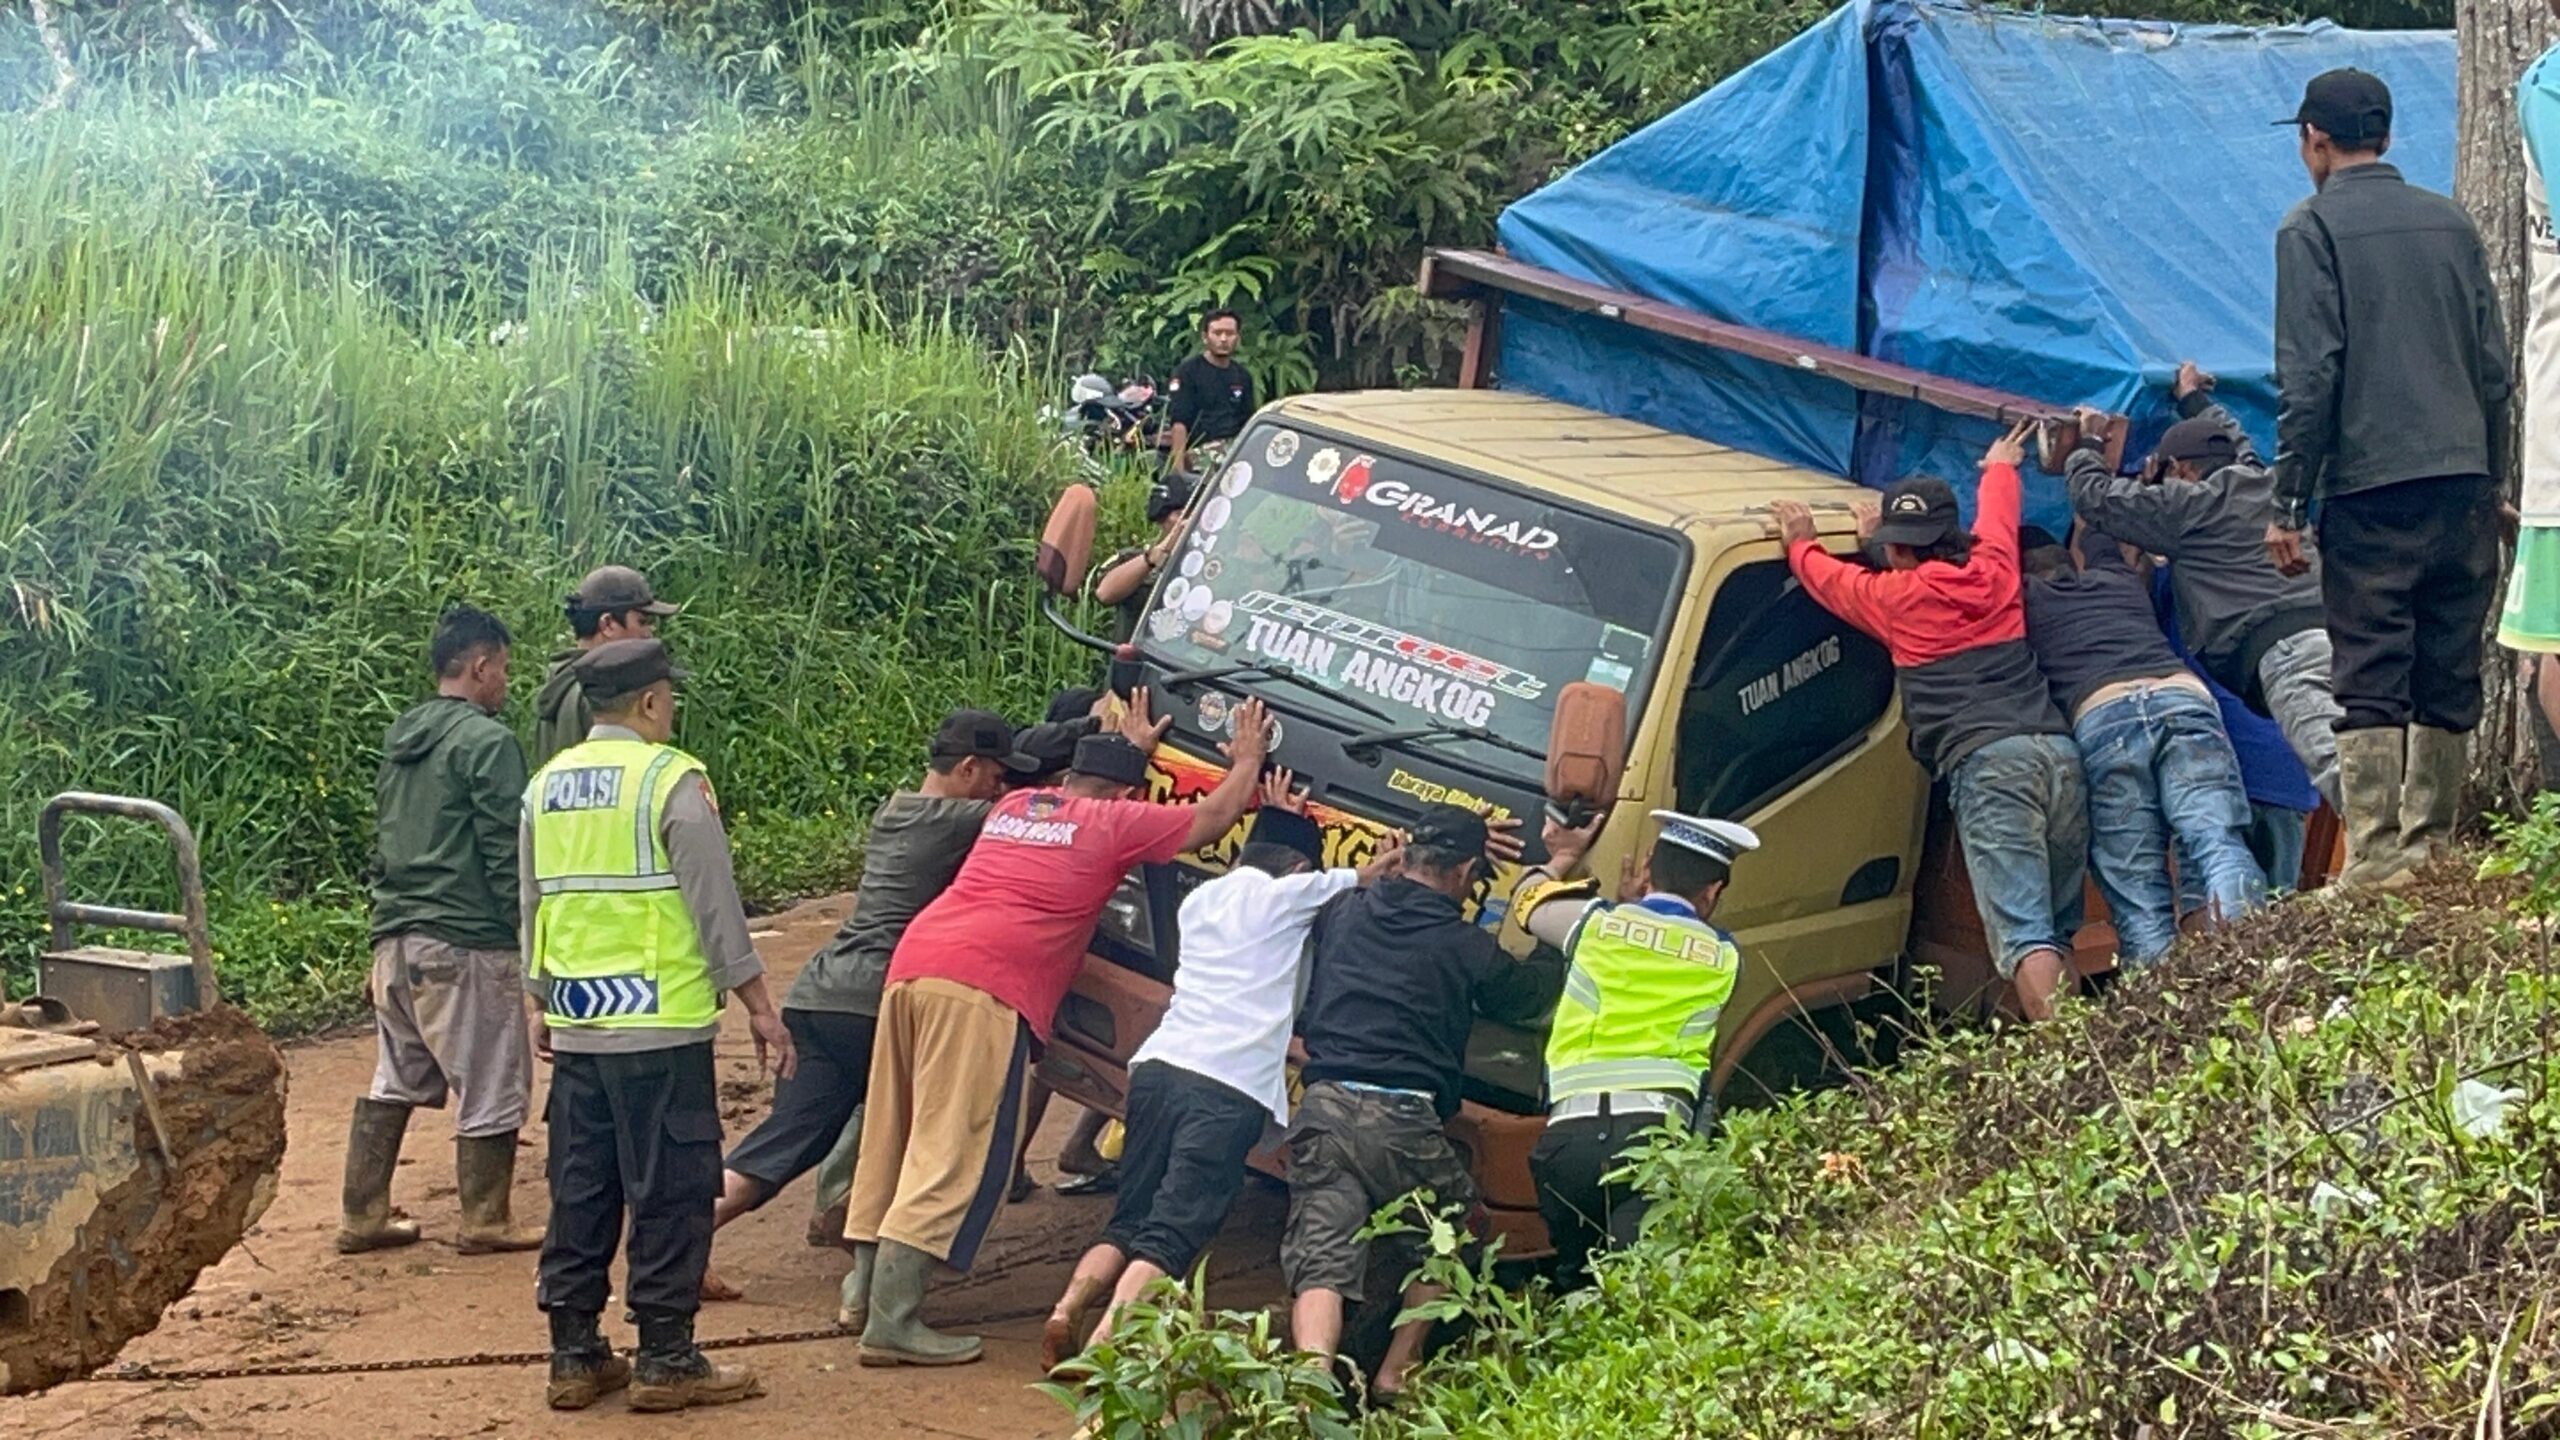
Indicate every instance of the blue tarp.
{"type": "Point", "coordinates": [2061, 208]}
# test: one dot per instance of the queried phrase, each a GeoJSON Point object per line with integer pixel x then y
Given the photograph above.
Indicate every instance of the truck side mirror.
{"type": "Point", "coordinates": [1586, 751]}
{"type": "Point", "coordinates": [1066, 542]}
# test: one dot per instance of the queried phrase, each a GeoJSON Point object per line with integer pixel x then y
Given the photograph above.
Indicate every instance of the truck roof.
{"type": "Point", "coordinates": [1622, 466]}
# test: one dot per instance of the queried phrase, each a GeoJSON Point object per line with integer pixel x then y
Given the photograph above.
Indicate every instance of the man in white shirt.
{"type": "Point", "coordinates": [1214, 1074]}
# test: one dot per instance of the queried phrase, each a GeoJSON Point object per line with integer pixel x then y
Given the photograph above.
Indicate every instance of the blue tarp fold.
{"type": "Point", "coordinates": [2062, 208]}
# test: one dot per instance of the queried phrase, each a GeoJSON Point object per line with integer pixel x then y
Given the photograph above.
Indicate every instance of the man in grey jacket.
{"type": "Point", "coordinates": [2391, 367]}
{"type": "Point", "coordinates": [2204, 504]}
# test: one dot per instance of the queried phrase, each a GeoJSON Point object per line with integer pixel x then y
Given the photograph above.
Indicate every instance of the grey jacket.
{"type": "Point", "coordinates": [2233, 605]}
{"type": "Point", "coordinates": [2391, 358]}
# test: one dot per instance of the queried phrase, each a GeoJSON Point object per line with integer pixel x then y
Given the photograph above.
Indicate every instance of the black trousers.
{"type": "Point", "coordinates": [2407, 575]}
{"type": "Point", "coordinates": [639, 1132]}
{"type": "Point", "coordinates": [1188, 1136]}
{"type": "Point", "coordinates": [810, 1109]}
{"type": "Point", "coordinates": [1584, 1211]}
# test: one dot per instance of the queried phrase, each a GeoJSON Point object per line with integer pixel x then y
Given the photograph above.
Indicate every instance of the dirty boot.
{"type": "Point", "coordinates": [853, 1302]}
{"type": "Point", "coordinates": [584, 1368]}
{"type": "Point", "coordinates": [670, 1372]}
{"type": "Point", "coordinates": [373, 1149]}
{"type": "Point", "coordinates": [2371, 769]}
{"type": "Point", "coordinates": [484, 1168]}
{"type": "Point", "coordinates": [2431, 791]}
{"type": "Point", "coordinates": [893, 1334]}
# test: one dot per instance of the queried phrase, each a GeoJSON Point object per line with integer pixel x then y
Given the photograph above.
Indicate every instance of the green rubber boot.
{"type": "Point", "coordinates": [893, 1334]}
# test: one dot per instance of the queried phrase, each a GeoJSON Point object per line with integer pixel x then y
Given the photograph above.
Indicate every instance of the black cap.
{"type": "Point", "coordinates": [619, 669]}
{"type": "Point", "coordinates": [617, 589]}
{"type": "Point", "coordinates": [1918, 513]}
{"type": "Point", "coordinates": [1051, 744]}
{"type": "Point", "coordinates": [1288, 830]}
{"type": "Point", "coordinates": [1451, 827]}
{"type": "Point", "coordinates": [1112, 758]}
{"type": "Point", "coordinates": [2201, 440]}
{"type": "Point", "coordinates": [2351, 107]}
{"type": "Point", "coordinates": [1170, 494]}
{"type": "Point", "coordinates": [1076, 702]}
{"type": "Point", "coordinates": [983, 735]}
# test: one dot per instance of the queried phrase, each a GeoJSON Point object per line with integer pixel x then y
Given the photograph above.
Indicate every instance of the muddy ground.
{"type": "Point", "coordinates": [286, 1295]}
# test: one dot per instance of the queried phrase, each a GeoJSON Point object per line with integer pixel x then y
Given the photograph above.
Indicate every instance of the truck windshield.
{"type": "Point", "coordinates": [1429, 595]}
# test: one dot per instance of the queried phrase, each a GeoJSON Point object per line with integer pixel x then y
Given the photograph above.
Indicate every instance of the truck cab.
{"type": "Point", "coordinates": [1410, 579]}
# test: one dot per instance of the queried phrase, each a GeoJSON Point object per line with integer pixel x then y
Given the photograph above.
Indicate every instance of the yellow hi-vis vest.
{"type": "Point", "coordinates": [613, 943]}
{"type": "Point", "coordinates": [1642, 996]}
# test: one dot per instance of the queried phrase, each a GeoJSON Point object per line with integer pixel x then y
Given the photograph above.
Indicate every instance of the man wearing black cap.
{"type": "Point", "coordinates": [2204, 503]}
{"type": "Point", "coordinates": [635, 936]}
{"type": "Point", "coordinates": [1632, 1046]}
{"type": "Point", "coordinates": [613, 603]}
{"type": "Point", "coordinates": [1952, 610]}
{"type": "Point", "coordinates": [916, 843]}
{"type": "Point", "coordinates": [2161, 768]}
{"type": "Point", "coordinates": [1124, 580]}
{"type": "Point", "coordinates": [974, 985]}
{"type": "Point", "coordinates": [1398, 978]}
{"type": "Point", "coordinates": [1204, 1087]}
{"type": "Point", "coordinates": [2393, 381]}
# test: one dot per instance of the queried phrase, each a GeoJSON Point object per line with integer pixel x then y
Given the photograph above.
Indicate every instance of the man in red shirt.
{"type": "Point", "coordinates": [973, 987]}
{"type": "Point", "coordinates": [1951, 608]}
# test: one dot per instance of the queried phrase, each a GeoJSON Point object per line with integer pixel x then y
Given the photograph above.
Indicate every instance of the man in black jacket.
{"type": "Point", "coordinates": [1398, 978]}
{"type": "Point", "coordinates": [2391, 362]}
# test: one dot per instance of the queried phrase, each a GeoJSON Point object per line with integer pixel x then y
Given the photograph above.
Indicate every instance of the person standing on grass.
{"type": "Point", "coordinates": [2530, 621]}
{"type": "Point", "coordinates": [1207, 1083]}
{"type": "Point", "coordinates": [916, 843]}
{"type": "Point", "coordinates": [1952, 611]}
{"type": "Point", "coordinates": [2204, 503]}
{"type": "Point", "coordinates": [1633, 1042]}
{"type": "Point", "coordinates": [1211, 396]}
{"type": "Point", "coordinates": [634, 937]}
{"type": "Point", "coordinates": [2160, 767]}
{"type": "Point", "coordinates": [613, 603]}
{"type": "Point", "coordinates": [448, 1006]}
{"type": "Point", "coordinates": [2391, 368]}
{"type": "Point", "coordinates": [1398, 979]}
{"type": "Point", "coordinates": [974, 985]}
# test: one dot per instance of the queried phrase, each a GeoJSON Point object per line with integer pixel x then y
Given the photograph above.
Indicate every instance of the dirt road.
{"type": "Point", "coordinates": [286, 1295]}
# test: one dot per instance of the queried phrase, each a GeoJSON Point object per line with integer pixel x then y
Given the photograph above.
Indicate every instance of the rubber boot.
{"type": "Point", "coordinates": [670, 1372]}
{"type": "Point", "coordinates": [484, 1168]}
{"type": "Point", "coordinates": [584, 1368]}
{"type": "Point", "coordinates": [373, 1149]}
{"type": "Point", "coordinates": [2371, 770]}
{"type": "Point", "coordinates": [853, 1302]}
{"type": "Point", "coordinates": [893, 1334]}
{"type": "Point", "coordinates": [2431, 791]}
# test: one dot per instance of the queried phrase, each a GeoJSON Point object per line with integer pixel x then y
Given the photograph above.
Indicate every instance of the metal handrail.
{"type": "Point", "coordinates": [64, 913]}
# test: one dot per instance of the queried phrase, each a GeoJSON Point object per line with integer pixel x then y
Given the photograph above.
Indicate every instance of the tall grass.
{"type": "Point", "coordinates": [236, 487]}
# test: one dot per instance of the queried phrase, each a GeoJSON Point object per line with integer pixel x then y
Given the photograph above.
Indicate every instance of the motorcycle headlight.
{"type": "Point", "coordinates": [1125, 916]}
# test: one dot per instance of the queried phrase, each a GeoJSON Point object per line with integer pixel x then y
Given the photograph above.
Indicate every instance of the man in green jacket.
{"type": "Point", "coordinates": [447, 988]}
{"type": "Point", "coordinates": [613, 603]}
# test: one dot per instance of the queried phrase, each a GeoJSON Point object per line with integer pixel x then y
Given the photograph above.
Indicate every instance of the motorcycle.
{"type": "Point", "coordinates": [1110, 421]}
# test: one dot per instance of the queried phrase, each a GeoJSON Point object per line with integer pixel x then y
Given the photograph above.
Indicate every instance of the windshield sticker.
{"type": "Point", "coordinates": [1282, 449]}
{"type": "Point", "coordinates": [1323, 465]}
{"type": "Point", "coordinates": [1220, 616]}
{"type": "Point", "coordinates": [1196, 603]}
{"type": "Point", "coordinates": [1165, 624]}
{"type": "Point", "coordinates": [1424, 689]}
{"type": "Point", "coordinates": [1213, 516]}
{"type": "Point", "coordinates": [1237, 480]}
{"type": "Point", "coordinates": [1617, 675]}
{"type": "Point", "coordinates": [1174, 590]}
{"type": "Point", "coordinates": [1192, 561]}
{"type": "Point", "coordinates": [1333, 625]}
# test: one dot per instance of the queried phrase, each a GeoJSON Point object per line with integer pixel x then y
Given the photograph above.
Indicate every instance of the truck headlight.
{"type": "Point", "coordinates": [1126, 917]}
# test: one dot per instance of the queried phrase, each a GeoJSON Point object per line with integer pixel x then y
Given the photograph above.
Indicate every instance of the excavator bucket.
{"type": "Point", "coordinates": [138, 1142]}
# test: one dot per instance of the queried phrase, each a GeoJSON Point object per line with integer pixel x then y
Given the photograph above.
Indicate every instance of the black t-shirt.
{"type": "Point", "coordinates": [1211, 401]}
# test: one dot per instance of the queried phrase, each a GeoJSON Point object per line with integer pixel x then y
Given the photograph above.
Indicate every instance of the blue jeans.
{"type": "Point", "coordinates": [2022, 811]}
{"type": "Point", "coordinates": [2276, 837]}
{"type": "Point", "coordinates": [2161, 767]}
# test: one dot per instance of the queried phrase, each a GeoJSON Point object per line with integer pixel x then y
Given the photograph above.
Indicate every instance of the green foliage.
{"type": "Point", "coordinates": [1170, 1368]}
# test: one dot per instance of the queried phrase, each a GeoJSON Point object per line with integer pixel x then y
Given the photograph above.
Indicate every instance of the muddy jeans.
{"type": "Point", "coordinates": [2294, 673]}
{"type": "Point", "coordinates": [2022, 811]}
{"type": "Point", "coordinates": [448, 1020]}
{"type": "Point", "coordinates": [2160, 766]}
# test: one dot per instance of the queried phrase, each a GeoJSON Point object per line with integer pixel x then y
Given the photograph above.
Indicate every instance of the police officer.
{"type": "Point", "coordinates": [1635, 1032]}
{"type": "Point", "coordinates": [633, 931]}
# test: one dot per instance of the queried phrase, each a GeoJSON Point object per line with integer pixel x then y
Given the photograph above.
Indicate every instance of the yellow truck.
{"type": "Point", "coordinates": [1410, 580]}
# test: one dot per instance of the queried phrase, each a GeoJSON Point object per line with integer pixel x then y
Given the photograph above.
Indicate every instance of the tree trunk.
{"type": "Point", "coordinates": [2499, 38]}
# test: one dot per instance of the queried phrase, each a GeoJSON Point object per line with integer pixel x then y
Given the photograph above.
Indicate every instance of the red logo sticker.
{"type": "Point", "coordinates": [1355, 478]}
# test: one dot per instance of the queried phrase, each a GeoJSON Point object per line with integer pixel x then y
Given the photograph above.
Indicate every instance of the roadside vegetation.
{"type": "Point", "coordinates": [318, 317]}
